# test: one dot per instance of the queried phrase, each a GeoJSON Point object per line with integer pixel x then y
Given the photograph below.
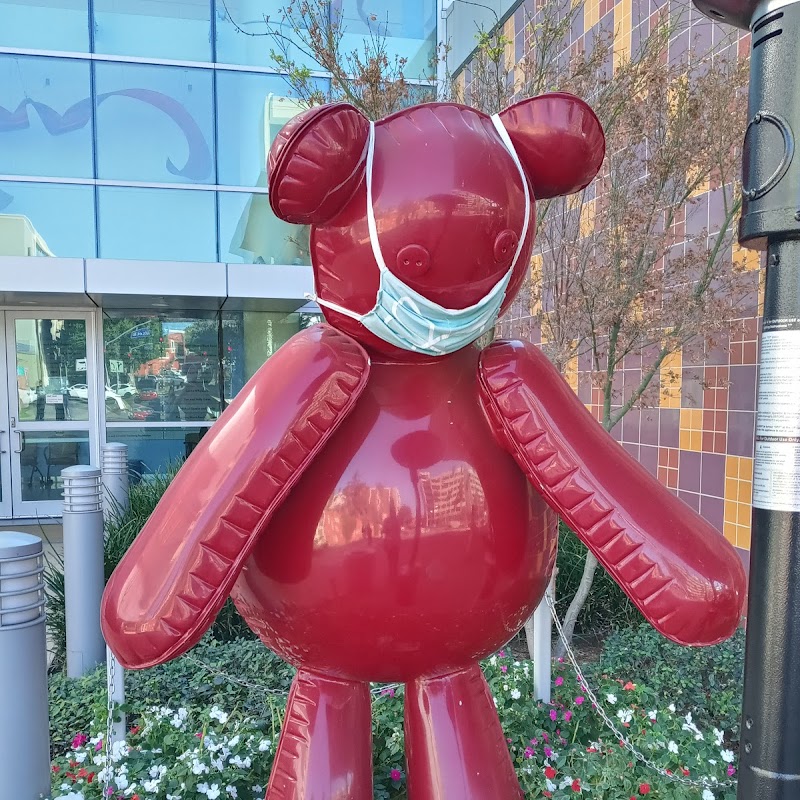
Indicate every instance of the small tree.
{"type": "Point", "coordinates": [616, 275]}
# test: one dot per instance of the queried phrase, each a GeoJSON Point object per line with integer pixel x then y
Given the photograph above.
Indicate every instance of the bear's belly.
{"type": "Point", "coordinates": [412, 545]}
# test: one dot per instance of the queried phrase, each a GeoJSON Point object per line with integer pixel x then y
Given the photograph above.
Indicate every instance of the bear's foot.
{"type": "Point", "coordinates": [455, 747]}
{"type": "Point", "coordinates": [325, 749]}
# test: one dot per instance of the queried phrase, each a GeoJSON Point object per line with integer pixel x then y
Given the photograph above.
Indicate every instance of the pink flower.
{"type": "Point", "coordinates": [528, 752]}
{"type": "Point", "coordinates": [503, 668]}
{"type": "Point", "coordinates": [388, 690]}
{"type": "Point", "coordinates": [79, 740]}
{"type": "Point", "coordinates": [545, 736]}
{"type": "Point", "coordinates": [579, 700]}
{"type": "Point", "coordinates": [560, 660]}
{"type": "Point", "coordinates": [396, 775]}
{"type": "Point", "coordinates": [567, 716]}
{"type": "Point", "coordinates": [554, 715]}
{"type": "Point", "coordinates": [731, 770]}
{"type": "Point", "coordinates": [547, 752]}
{"type": "Point", "coordinates": [534, 742]}
{"type": "Point", "coordinates": [559, 681]}
{"type": "Point", "coordinates": [502, 654]}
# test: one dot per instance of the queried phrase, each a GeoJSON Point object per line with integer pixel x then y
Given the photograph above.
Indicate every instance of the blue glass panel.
{"type": "Point", "coordinates": [242, 30]}
{"type": "Point", "coordinates": [159, 224]}
{"type": "Point", "coordinates": [154, 123]}
{"type": "Point", "coordinates": [46, 219]}
{"type": "Point", "coordinates": [178, 30]}
{"type": "Point", "coordinates": [409, 28]}
{"type": "Point", "coordinates": [251, 234]}
{"type": "Point", "coordinates": [153, 450]}
{"type": "Point", "coordinates": [251, 109]}
{"type": "Point", "coordinates": [45, 117]}
{"type": "Point", "coordinates": [45, 24]}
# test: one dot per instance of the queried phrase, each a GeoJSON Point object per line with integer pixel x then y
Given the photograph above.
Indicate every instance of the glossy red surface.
{"type": "Point", "coordinates": [410, 516]}
{"type": "Point", "coordinates": [455, 746]}
{"type": "Point", "coordinates": [682, 574]}
{"type": "Point", "coordinates": [381, 515]}
{"type": "Point", "coordinates": [325, 749]}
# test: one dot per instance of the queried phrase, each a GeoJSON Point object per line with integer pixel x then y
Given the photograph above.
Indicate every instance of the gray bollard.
{"type": "Point", "coordinates": [84, 576]}
{"type": "Point", "coordinates": [24, 721]}
{"type": "Point", "coordinates": [116, 499]}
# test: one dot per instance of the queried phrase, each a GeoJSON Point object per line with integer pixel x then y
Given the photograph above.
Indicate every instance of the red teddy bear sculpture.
{"type": "Point", "coordinates": [380, 499]}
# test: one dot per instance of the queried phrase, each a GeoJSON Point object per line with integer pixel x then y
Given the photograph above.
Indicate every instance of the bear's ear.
{"type": "Point", "coordinates": [316, 163]}
{"type": "Point", "coordinates": [559, 141]}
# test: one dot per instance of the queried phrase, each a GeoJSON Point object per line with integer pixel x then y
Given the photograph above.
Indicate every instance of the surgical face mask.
{"type": "Point", "coordinates": [405, 318]}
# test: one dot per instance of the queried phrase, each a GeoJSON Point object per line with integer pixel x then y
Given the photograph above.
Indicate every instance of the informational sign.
{"type": "Point", "coordinates": [80, 365]}
{"type": "Point", "coordinates": [115, 366]}
{"type": "Point", "coordinates": [776, 473]}
{"type": "Point", "coordinates": [140, 333]}
{"type": "Point", "coordinates": [54, 399]}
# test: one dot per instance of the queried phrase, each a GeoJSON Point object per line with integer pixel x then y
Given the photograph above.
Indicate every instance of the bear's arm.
{"type": "Point", "coordinates": [175, 577]}
{"type": "Point", "coordinates": [677, 569]}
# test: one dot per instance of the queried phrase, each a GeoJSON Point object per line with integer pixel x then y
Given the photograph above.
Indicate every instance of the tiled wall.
{"type": "Point", "coordinates": [696, 428]}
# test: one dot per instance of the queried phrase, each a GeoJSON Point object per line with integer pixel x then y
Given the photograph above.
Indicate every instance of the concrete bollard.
{"type": "Point", "coordinates": [116, 498]}
{"type": "Point", "coordinates": [84, 575]}
{"type": "Point", "coordinates": [24, 720]}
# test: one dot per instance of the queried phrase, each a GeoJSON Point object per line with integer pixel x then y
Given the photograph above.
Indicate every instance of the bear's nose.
{"type": "Point", "coordinates": [413, 260]}
{"type": "Point", "coordinates": [505, 245]}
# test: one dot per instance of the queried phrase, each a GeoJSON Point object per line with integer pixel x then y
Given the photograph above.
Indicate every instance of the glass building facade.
{"type": "Point", "coordinates": [138, 130]}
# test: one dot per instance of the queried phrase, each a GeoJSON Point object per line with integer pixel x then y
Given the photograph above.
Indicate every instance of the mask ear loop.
{"type": "Point", "coordinates": [506, 139]}
{"type": "Point", "coordinates": [371, 224]}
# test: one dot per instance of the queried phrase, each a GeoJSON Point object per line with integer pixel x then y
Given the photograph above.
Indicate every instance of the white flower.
{"type": "Point", "coordinates": [551, 787]}
{"type": "Point", "coordinates": [213, 792]}
{"type": "Point", "coordinates": [671, 707]}
{"type": "Point", "coordinates": [80, 757]}
{"type": "Point", "coordinates": [515, 695]}
{"type": "Point", "coordinates": [727, 756]}
{"type": "Point", "coordinates": [232, 791]}
{"type": "Point", "coordinates": [218, 714]}
{"type": "Point", "coordinates": [708, 794]}
{"type": "Point", "coordinates": [712, 761]}
{"type": "Point", "coordinates": [652, 715]}
{"type": "Point", "coordinates": [202, 788]}
{"type": "Point", "coordinates": [565, 782]}
{"type": "Point", "coordinates": [233, 742]}
{"type": "Point", "coordinates": [71, 796]}
{"type": "Point", "coordinates": [625, 714]}
{"type": "Point", "coordinates": [612, 698]}
{"type": "Point", "coordinates": [672, 747]}
{"type": "Point", "coordinates": [718, 737]}
{"type": "Point", "coordinates": [264, 745]}
{"type": "Point", "coordinates": [151, 785]}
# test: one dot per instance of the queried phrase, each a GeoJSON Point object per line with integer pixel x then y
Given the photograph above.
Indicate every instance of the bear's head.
{"type": "Point", "coordinates": [448, 197]}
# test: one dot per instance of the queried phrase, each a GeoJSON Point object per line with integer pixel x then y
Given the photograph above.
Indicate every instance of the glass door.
{"type": "Point", "coordinates": [52, 404]}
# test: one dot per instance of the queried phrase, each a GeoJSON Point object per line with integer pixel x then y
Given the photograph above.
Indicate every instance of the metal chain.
{"type": "Point", "coordinates": [263, 689]}
{"type": "Point", "coordinates": [611, 725]}
{"type": "Point", "coordinates": [107, 744]}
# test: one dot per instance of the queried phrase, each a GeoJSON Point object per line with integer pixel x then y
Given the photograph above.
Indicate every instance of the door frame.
{"type": "Point", "coordinates": [93, 425]}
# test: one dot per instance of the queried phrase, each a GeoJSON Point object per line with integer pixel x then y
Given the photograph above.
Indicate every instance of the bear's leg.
{"type": "Point", "coordinates": [455, 747]}
{"type": "Point", "coordinates": [325, 749]}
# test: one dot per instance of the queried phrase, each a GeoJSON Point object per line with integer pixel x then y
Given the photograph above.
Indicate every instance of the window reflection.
{"type": "Point", "coordinates": [44, 219]}
{"type": "Point", "coordinates": [154, 28]}
{"type": "Point", "coordinates": [153, 450]}
{"type": "Point", "coordinates": [408, 27]}
{"type": "Point", "coordinates": [163, 370]}
{"type": "Point", "coordinates": [45, 24]}
{"type": "Point", "coordinates": [251, 234]}
{"type": "Point", "coordinates": [159, 224]}
{"type": "Point", "coordinates": [238, 18]}
{"type": "Point", "coordinates": [44, 455]}
{"type": "Point", "coordinates": [51, 369]}
{"type": "Point", "coordinates": [251, 109]}
{"type": "Point", "coordinates": [45, 117]}
{"type": "Point", "coordinates": [154, 123]}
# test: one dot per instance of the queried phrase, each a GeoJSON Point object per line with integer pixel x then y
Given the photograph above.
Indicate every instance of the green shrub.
{"type": "Point", "coordinates": [707, 680]}
{"type": "Point", "coordinates": [120, 531]}
{"type": "Point", "coordinates": [554, 748]}
{"type": "Point", "coordinates": [607, 607]}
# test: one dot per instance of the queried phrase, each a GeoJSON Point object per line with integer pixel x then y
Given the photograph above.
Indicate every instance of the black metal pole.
{"type": "Point", "coordinates": [769, 767]}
